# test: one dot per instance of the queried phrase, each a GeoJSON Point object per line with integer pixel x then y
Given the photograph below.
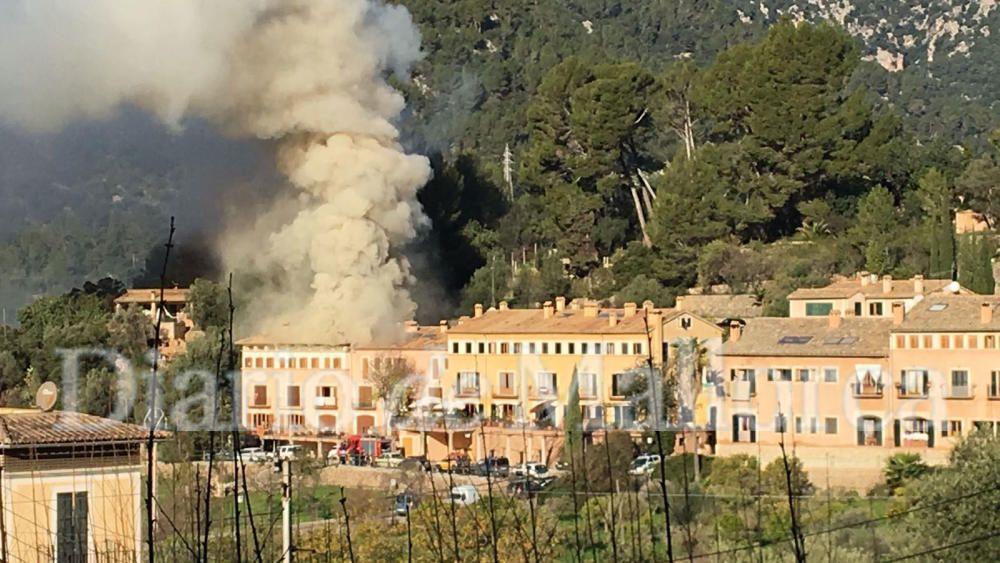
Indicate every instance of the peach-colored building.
{"type": "Point", "coordinates": [865, 295]}
{"type": "Point", "coordinates": [71, 487]}
{"type": "Point", "coordinates": [315, 393]}
{"type": "Point", "coordinates": [176, 326]}
{"type": "Point", "coordinates": [968, 221]}
{"type": "Point", "coordinates": [513, 369]}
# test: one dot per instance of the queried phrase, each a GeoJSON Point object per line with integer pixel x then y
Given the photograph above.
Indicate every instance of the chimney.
{"type": "Point", "coordinates": [735, 331]}
{"type": "Point", "coordinates": [918, 284]}
{"type": "Point", "coordinates": [898, 314]}
{"type": "Point", "coordinates": [479, 310]}
{"type": "Point", "coordinates": [679, 302]}
{"type": "Point", "coordinates": [986, 313]}
{"type": "Point", "coordinates": [411, 326]}
{"type": "Point", "coordinates": [547, 310]}
{"type": "Point", "coordinates": [612, 318]}
{"type": "Point", "coordinates": [886, 284]}
{"type": "Point", "coordinates": [575, 304]}
{"type": "Point", "coordinates": [590, 309]}
{"type": "Point", "coordinates": [443, 327]}
{"type": "Point", "coordinates": [835, 319]}
{"type": "Point", "coordinates": [630, 309]}
{"type": "Point", "coordinates": [560, 304]}
{"type": "Point", "coordinates": [865, 279]}
{"type": "Point", "coordinates": [504, 306]}
{"type": "Point", "coordinates": [647, 305]}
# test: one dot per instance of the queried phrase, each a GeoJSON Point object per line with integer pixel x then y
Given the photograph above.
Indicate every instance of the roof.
{"type": "Point", "coordinates": [28, 428]}
{"type": "Point", "coordinates": [568, 321]}
{"type": "Point", "coordinates": [170, 295]}
{"type": "Point", "coordinates": [844, 288]}
{"type": "Point", "coordinates": [422, 338]}
{"type": "Point", "coordinates": [721, 306]}
{"type": "Point", "coordinates": [812, 336]}
{"type": "Point", "coordinates": [416, 338]}
{"type": "Point", "coordinates": [952, 313]}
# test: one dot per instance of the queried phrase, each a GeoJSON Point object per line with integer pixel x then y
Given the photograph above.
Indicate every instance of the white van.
{"type": "Point", "coordinates": [644, 464]}
{"type": "Point", "coordinates": [464, 495]}
{"type": "Point", "coordinates": [255, 455]}
{"type": "Point", "coordinates": [534, 470]}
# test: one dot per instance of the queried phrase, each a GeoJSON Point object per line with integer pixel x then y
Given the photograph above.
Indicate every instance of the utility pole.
{"type": "Point", "coordinates": [286, 510]}
{"type": "Point", "coordinates": [508, 164]}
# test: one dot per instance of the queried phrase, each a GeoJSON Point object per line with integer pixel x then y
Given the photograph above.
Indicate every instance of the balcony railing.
{"type": "Point", "coordinates": [504, 391]}
{"type": "Point", "coordinates": [960, 392]}
{"type": "Point", "coordinates": [993, 393]}
{"type": "Point", "coordinates": [541, 392]}
{"type": "Point", "coordinates": [586, 393]}
{"type": "Point", "coordinates": [911, 393]}
{"type": "Point", "coordinates": [466, 391]}
{"type": "Point", "coordinates": [326, 402]}
{"type": "Point", "coordinates": [867, 391]}
{"type": "Point", "coordinates": [431, 423]}
{"type": "Point", "coordinates": [257, 404]}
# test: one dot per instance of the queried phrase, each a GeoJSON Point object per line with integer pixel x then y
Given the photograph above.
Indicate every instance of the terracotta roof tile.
{"type": "Point", "coordinates": [721, 306]}
{"type": "Point", "coordinates": [842, 289]}
{"type": "Point", "coordinates": [50, 428]}
{"type": "Point", "coordinates": [170, 295]}
{"type": "Point", "coordinates": [568, 321]}
{"type": "Point", "coordinates": [952, 313]}
{"type": "Point", "coordinates": [812, 336]}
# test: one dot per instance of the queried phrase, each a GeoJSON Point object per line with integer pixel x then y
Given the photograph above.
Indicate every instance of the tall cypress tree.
{"type": "Point", "coordinates": [573, 421]}
{"type": "Point", "coordinates": [937, 201]}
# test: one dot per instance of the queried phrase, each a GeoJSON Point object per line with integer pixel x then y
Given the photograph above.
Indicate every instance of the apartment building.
{"type": "Point", "coordinates": [865, 295]}
{"type": "Point", "coordinates": [71, 487]}
{"type": "Point", "coordinates": [314, 393]}
{"type": "Point", "coordinates": [513, 368]}
{"type": "Point", "coordinates": [177, 324]}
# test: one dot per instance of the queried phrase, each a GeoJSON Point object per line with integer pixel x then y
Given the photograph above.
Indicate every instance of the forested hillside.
{"type": "Point", "coordinates": [652, 145]}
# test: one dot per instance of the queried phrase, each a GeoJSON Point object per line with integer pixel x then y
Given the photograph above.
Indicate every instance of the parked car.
{"type": "Point", "coordinates": [494, 466]}
{"type": "Point", "coordinates": [528, 487]}
{"type": "Point", "coordinates": [456, 463]}
{"type": "Point", "coordinates": [256, 455]}
{"type": "Point", "coordinates": [534, 470]}
{"type": "Point", "coordinates": [404, 503]}
{"type": "Point", "coordinates": [291, 452]}
{"type": "Point", "coordinates": [644, 464]}
{"type": "Point", "coordinates": [464, 495]}
{"type": "Point", "coordinates": [389, 459]}
{"type": "Point", "coordinates": [415, 463]}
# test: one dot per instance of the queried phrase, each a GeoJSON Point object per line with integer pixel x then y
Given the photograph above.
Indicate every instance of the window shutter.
{"type": "Point", "coordinates": [902, 382]}
{"type": "Point", "coordinates": [753, 429]}
{"type": "Point", "coordinates": [80, 515]}
{"type": "Point", "coordinates": [736, 429]}
{"type": "Point", "coordinates": [930, 433]}
{"type": "Point", "coordinates": [896, 437]}
{"type": "Point", "coordinates": [64, 528]}
{"type": "Point", "coordinates": [861, 431]}
{"type": "Point", "coordinates": [878, 431]}
{"type": "Point", "coordinates": [753, 382]}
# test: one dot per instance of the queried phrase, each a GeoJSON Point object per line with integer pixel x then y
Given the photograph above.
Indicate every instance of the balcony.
{"type": "Point", "coordinates": [504, 392]}
{"type": "Point", "coordinates": [911, 393]}
{"type": "Point", "coordinates": [543, 392]}
{"type": "Point", "coordinates": [467, 391]}
{"type": "Point", "coordinates": [588, 393]}
{"type": "Point", "coordinates": [325, 402]}
{"type": "Point", "coordinates": [364, 405]}
{"type": "Point", "coordinates": [436, 423]}
{"type": "Point", "coordinates": [740, 390]}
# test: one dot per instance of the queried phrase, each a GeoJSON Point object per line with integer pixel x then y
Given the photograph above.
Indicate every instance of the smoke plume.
{"type": "Point", "coordinates": [310, 75]}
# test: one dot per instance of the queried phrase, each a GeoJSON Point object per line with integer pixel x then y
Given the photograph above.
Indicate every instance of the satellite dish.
{"type": "Point", "coordinates": [954, 287]}
{"type": "Point", "coordinates": [45, 397]}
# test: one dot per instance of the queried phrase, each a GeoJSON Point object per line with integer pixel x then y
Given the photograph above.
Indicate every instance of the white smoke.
{"type": "Point", "coordinates": [310, 74]}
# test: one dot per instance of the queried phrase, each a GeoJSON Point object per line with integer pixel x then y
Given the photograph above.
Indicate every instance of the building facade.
{"type": "Point", "coordinates": [866, 295]}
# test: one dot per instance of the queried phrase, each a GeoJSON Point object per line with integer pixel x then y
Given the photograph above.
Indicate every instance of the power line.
{"type": "Point", "coordinates": [992, 534]}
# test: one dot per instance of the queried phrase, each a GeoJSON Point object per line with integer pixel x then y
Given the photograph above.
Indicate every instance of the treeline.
{"type": "Point", "coordinates": [768, 163]}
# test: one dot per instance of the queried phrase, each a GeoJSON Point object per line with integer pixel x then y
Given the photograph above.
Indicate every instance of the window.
{"type": "Point", "coordinates": [294, 397]}
{"type": "Point", "coordinates": [584, 348]}
{"type": "Point", "coordinates": [546, 382]}
{"type": "Point", "coordinates": [336, 363]}
{"type": "Point", "coordinates": [779, 374]}
{"type": "Point", "coordinates": [914, 341]}
{"type": "Point", "coordinates": [609, 349]}
{"type": "Point", "coordinates": [913, 382]}
{"type": "Point", "coordinates": [744, 428]}
{"type": "Point", "coordinates": [624, 348]}
{"type": "Point", "coordinates": [260, 395]}
{"type": "Point", "coordinates": [994, 390]}
{"type": "Point", "coordinates": [314, 363]}
{"type": "Point", "coordinates": [282, 363]}
{"type": "Point", "coordinates": [259, 362]}
{"type": "Point", "coordinates": [813, 425]}
{"type": "Point", "coordinates": [794, 339]}
{"type": "Point", "coordinates": [745, 383]}
{"type": "Point", "coordinates": [900, 341]}
{"type": "Point", "coordinates": [532, 348]}
{"type": "Point", "coordinates": [637, 348]}
{"type": "Point", "coordinates": [454, 347]}
{"type": "Point", "coordinates": [869, 431]}
{"type": "Point", "coordinates": [818, 309]}
{"type": "Point", "coordinates": [588, 384]}
{"type": "Point", "coordinates": [468, 383]}
{"type": "Point", "coordinates": [830, 375]}
{"type": "Point", "coordinates": [875, 309]}
{"type": "Point", "coordinates": [928, 341]}
{"type": "Point", "coordinates": [325, 391]}
{"type": "Point", "coordinates": [780, 423]}
{"type": "Point", "coordinates": [830, 425]}
{"type": "Point", "coordinates": [989, 341]}
{"type": "Point", "coordinates": [959, 383]}
{"type": "Point", "coordinates": [517, 347]}
{"type": "Point", "coordinates": [71, 527]}
{"type": "Point", "coordinates": [504, 348]}
{"type": "Point", "coordinates": [468, 347]}
{"type": "Point", "coordinates": [247, 362]}
{"type": "Point", "coordinates": [619, 383]}
{"type": "Point", "coordinates": [798, 425]}
{"type": "Point", "coordinates": [572, 348]}
{"type": "Point", "coordinates": [326, 363]}
{"type": "Point", "coordinates": [545, 347]}
{"type": "Point", "coordinates": [958, 341]}
{"type": "Point", "coordinates": [857, 309]}
{"type": "Point", "coordinates": [482, 348]}
{"type": "Point", "coordinates": [506, 379]}
{"type": "Point", "coordinates": [293, 363]}
{"type": "Point", "coordinates": [558, 347]}
{"type": "Point", "coordinates": [951, 428]}
{"type": "Point", "coordinates": [269, 363]}
{"type": "Point", "coordinates": [491, 348]}
{"type": "Point", "coordinates": [597, 348]}
{"type": "Point", "coordinates": [365, 366]}
{"type": "Point", "coordinates": [804, 374]}
{"type": "Point", "coordinates": [945, 341]}
{"type": "Point", "coordinates": [972, 341]}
